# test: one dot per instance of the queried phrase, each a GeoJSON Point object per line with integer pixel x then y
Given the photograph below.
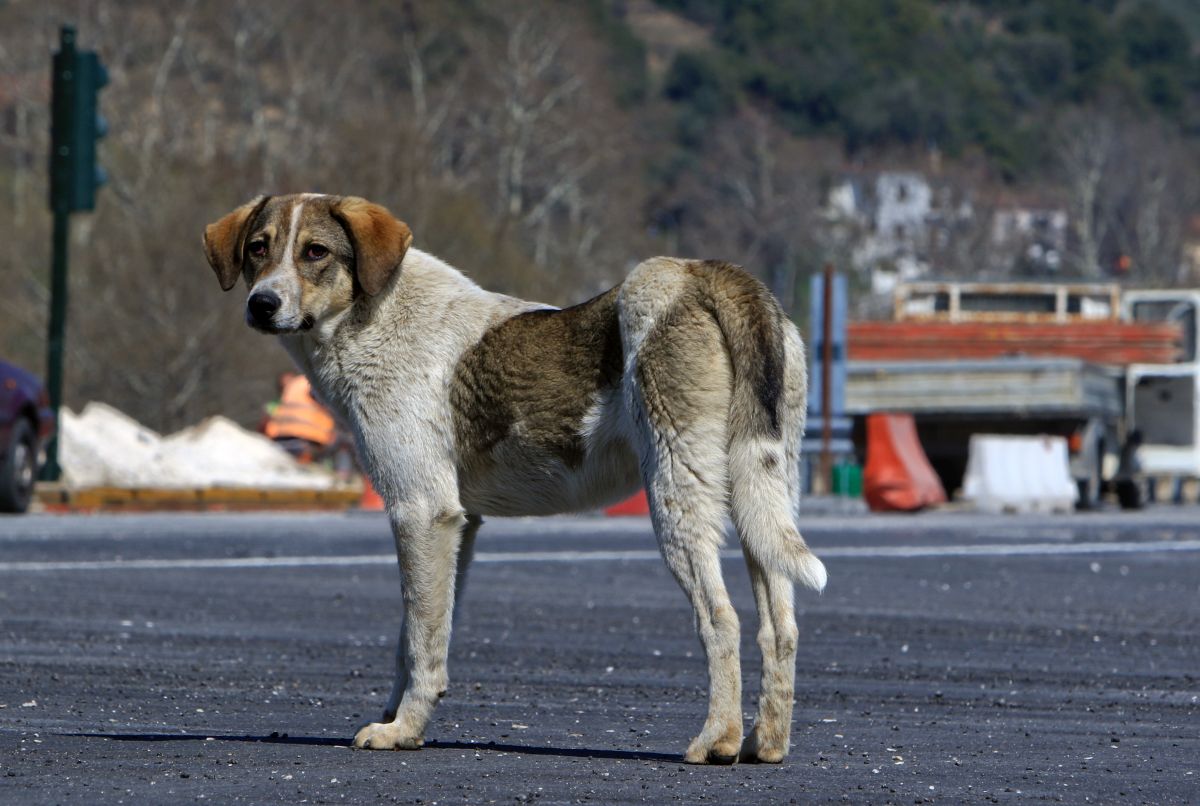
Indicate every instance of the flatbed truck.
{"type": "Point", "coordinates": [1131, 426]}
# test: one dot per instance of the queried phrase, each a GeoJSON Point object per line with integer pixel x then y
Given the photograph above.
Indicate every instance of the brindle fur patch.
{"type": "Point", "coordinates": [535, 376]}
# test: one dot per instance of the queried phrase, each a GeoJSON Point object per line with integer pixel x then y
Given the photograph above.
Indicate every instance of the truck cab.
{"type": "Point", "coordinates": [1161, 399]}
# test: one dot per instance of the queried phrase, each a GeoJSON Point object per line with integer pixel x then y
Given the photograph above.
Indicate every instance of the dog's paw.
{"type": "Point", "coordinates": [703, 750]}
{"type": "Point", "coordinates": [759, 749]}
{"type": "Point", "coordinates": [386, 736]}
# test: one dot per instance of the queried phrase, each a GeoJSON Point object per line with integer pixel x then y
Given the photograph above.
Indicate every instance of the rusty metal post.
{"type": "Point", "coordinates": [827, 380]}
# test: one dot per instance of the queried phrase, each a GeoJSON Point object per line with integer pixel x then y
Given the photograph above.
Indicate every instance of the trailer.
{"type": "Point", "coordinates": [1114, 373]}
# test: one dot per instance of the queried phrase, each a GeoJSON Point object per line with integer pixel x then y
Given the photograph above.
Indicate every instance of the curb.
{"type": "Point", "coordinates": [57, 498]}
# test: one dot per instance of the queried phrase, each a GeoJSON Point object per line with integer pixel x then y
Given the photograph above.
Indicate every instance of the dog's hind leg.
{"type": "Point", "coordinates": [429, 548]}
{"type": "Point", "coordinates": [689, 537]}
{"type": "Point", "coordinates": [777, 636]}
{"type": "Point", "coordinates": [765, 495]}
{"type": "Point", "coordinates": [679, 394]}
{"type": "Point", "coordinates": [466, 550]}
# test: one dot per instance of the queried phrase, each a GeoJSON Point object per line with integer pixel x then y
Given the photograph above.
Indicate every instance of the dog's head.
{"type": "Point", "coordinates": [305, 257]}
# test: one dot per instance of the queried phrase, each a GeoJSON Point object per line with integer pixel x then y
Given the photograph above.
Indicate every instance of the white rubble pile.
{"type": "Point", "coordinates": [103, 447]}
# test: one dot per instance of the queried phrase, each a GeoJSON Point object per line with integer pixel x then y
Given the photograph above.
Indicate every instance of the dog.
{"type": "Point", "coordinates": [686, 378]}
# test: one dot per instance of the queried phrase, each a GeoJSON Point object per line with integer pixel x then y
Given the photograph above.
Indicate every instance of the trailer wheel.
{"type": "Point", "coordinates": [1131, 493]}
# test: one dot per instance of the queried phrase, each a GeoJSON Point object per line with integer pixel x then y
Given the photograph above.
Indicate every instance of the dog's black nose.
{"type": "Point", "coordinates": [262, 306]}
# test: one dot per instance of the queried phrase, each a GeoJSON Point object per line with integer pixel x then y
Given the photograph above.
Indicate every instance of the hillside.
{"type": "Point", "coordinates": [546, 147]}
{"type": "Point", "coordinates": [987, 74]}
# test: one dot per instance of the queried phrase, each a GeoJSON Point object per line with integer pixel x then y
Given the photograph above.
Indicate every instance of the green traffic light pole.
{"type": "Point", "coordinates": [75, 126]}
{"type": "Point", "coordinates": [57, 333]}
{"type": "Point", "coordinates": [63, 79]}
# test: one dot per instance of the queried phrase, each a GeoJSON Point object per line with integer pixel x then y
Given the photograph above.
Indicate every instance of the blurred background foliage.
{"type": "Point", "coordinates": [546, 146]}
{"type": "Point", "coordinates": [988, 74]}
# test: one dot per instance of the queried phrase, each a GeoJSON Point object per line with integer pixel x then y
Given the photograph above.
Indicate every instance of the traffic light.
{"type": "Point", "coordinates": [76, 125]}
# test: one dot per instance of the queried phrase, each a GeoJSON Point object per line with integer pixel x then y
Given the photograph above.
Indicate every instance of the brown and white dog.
{"type": "Point", "coordinates": [686, 378]}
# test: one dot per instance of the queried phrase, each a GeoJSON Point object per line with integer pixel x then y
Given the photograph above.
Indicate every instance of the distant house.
{"type": "Point", "coordinates": [888, 223]}
{"type": "Point", "coordinates": [900, 225]}
{"type": "Point", "coordinates": [844, 201]}
{"type": "Point", "coordinates": [1037, 234]}
{"type": "Point", "coordinates": [903, 202]}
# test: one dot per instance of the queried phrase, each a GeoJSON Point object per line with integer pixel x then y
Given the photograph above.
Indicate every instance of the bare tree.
{"type": "Point", "coordinates": [490, 148]}
{"type": "Point", "coordinates": [492, 129]}
{"type": "Point", "coordinates": [1131, 188]}
{"type": "Point", "coordinates": [1155, 190]}
{"type": "Point", "coordinates": [554, 142]}
{"type": "Point", "coordinates": [753, 201]}
{"type": "Point", "coordinates": [1087, 148]}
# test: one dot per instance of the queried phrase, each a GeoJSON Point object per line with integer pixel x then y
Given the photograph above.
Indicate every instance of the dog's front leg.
{"type": "Point", "coordinates": [466, 549]}
{"type": "Point", "coordinates": [427, 546]}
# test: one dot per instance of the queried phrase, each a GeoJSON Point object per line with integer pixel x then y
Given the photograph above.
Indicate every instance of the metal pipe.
{"type": "Point", "coordinates": [56, 335]}
{"type": "Point", "coordinates": [827, 379]}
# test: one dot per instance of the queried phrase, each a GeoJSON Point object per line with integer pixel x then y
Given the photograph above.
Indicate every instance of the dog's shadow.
{"type": "Point", "coordinates": [317, 741]}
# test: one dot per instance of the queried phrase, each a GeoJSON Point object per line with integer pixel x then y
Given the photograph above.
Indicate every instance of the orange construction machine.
{"type": "Point", "coordinates": [298, 422]}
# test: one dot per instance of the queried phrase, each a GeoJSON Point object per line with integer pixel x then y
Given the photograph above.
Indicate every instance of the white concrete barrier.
{"type": "Point", "coordinates": [1019, 474]}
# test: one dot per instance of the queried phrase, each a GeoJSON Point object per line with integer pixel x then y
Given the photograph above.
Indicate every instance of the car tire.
{"type": "Point", "coordinates": [18, 471]}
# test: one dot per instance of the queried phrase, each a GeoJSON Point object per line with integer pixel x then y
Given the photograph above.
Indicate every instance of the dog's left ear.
{"type": "Point", "coordinates": [225, 241]}
{"type": "Point", "coordinates": [379, 239]}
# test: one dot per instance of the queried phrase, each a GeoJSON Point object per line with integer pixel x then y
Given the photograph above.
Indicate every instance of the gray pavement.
{"type": "Point", "coordinates": [953, 658]}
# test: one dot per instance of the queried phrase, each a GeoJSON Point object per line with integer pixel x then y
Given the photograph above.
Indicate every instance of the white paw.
{"type": "Point", "coordinates": [722, 750]}
{"type": "Point", "coordinates": [387, 736]}
{"type": "Point", "coordinates": [759, 749]}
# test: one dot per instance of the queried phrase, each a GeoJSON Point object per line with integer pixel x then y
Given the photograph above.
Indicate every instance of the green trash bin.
{"type": "Point", "coordinates": [847, 480]}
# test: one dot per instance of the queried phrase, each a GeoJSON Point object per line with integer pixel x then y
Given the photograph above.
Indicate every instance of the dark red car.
{"type": "Point", "coordinates": [26, 423]}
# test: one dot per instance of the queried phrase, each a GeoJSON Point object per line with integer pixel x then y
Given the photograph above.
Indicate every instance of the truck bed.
{"type": "Point", "coordinates": [1104, 342]}
{"type": "Point", "coordinates": [1019, 386]}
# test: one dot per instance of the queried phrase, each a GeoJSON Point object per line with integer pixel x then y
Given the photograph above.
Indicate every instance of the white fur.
{"type": "Point", "coordinates": [388, 371]}
{"type": "Point", "coordinates": [283, 280]}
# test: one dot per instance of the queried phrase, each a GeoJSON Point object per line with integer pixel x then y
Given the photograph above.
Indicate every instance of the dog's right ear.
{"type": "Point", "coordinates": [225, 241]}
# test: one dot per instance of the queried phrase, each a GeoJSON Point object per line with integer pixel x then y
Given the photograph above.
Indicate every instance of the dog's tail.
{"type": "Point", "coordinates": [766, 422]}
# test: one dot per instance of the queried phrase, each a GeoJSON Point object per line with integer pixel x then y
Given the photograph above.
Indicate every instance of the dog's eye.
{"type": "Point", "coordinates": [257, 248]}
{"type": "Point", "coordinates": [315, 252]}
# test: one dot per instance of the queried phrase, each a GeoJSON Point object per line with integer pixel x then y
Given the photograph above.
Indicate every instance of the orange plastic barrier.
{"type": "Point", "coordinates": [634, 505]}
{"type": "Point", "coordinates": [898, 476]}
{"type": "Point", "coordinates": [370, 501]}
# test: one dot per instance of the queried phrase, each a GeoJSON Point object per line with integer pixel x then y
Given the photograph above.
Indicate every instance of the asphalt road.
{"type": "Point", "coordinates": [953, 658]}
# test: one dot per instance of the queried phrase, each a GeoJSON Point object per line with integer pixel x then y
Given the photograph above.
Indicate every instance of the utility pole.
{"type": "Point", "coordinates": [830, 428]}
{"type": "Point", "coordinates": [75, 126]}
{"type": "Point", "coordinates": [827, 380]}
